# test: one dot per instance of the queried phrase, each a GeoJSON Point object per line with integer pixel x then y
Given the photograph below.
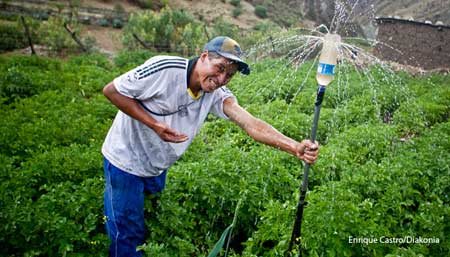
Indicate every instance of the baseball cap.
{"type": "Point", "coordinates": [229, 49]}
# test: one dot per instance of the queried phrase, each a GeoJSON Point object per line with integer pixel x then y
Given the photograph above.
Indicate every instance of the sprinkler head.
{"type": "Point", "coordinates": [328, 59]}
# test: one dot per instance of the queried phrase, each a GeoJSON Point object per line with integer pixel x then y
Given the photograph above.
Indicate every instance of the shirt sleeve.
{"type": "Point", "coordinates": [219, 97]}
{"type": "Point", "coordinates": [145, 81]}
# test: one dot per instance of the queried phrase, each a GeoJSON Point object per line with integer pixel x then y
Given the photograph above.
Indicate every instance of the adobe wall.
{"type": "Point", "coordinates": [413, 43]}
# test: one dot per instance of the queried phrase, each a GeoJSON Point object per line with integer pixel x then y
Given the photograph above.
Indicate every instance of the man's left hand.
{"type": "Point", "coordinates": [307, 151]}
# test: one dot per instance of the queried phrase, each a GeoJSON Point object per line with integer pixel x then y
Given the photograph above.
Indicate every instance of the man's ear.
{"type": "Point", "coordinates": [203, 56]}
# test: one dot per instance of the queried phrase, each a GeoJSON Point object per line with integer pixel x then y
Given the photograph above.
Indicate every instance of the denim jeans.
{"type": "Point", "coordinates": [124, 208]}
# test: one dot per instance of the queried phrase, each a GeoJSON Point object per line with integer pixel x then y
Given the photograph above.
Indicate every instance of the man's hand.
{"type": "Point", "coordinates": [169, 135]}
{"type": "Point", "coordinates": [307, 151]}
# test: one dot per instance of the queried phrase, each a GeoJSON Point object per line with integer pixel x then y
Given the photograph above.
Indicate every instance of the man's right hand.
{"type": "Point", "coordinates": [169, 135]}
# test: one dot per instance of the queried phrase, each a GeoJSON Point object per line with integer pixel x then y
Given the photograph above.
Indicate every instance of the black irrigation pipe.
{"type": "Point", "coordinates": [296, 231]}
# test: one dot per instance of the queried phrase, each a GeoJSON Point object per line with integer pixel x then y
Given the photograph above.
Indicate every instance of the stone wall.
{"type": "Point", "coordinates": [419, 44]}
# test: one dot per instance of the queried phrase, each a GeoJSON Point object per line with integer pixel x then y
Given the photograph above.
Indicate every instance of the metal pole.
{"type": "Point", "coordinates": [296, 231]}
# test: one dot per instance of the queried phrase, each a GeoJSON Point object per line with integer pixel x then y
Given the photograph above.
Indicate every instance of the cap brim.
{"type": "Point", "coordinates": [242, 66]}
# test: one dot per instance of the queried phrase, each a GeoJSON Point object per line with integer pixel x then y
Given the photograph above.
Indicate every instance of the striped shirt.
{"type": "Point", "coordinates": [161, 86]}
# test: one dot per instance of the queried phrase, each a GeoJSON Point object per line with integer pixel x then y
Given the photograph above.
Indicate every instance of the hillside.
{"type": "Point", "coordinates": [309, 13]}
{"type": "Point", "coordinates": [358, 18]}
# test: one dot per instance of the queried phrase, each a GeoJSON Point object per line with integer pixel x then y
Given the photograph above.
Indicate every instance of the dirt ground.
{"type": "Point", "coordinates": [108, 40]}
{"type": "Point", "coordinates": [211, 9]}
{"type": "Point", "coordinates": [109, 4]}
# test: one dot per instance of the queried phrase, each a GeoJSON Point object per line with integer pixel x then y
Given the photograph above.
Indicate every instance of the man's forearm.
{"type": "Point", "coordinates": [129, 106]}
{"type": "Point", "coordinates": [264, 133]}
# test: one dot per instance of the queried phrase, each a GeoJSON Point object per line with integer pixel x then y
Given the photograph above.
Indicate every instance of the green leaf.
{"type": "Point", "coordinates": [220, 243]}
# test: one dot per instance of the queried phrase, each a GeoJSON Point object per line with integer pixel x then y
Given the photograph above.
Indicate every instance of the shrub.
{"type": "Point", "coordinates": [11, 37]}
{"type": "Point", "coordinates": [237, 11]}
{"type": "Point", "coordinates": [54, 35]}
{"type": "Point", "coordinates": [224, 28]}
{"type": "Point", "coordinates": [117, 23]}
{"type": "Point", "coordinates": [103, 22]}
{"type": "Point", "coordinates": [261, 11]}
{"type": "Point", "coordinates": [166, 31]}
{"type": "Point", "coordinates": [235, 2]}
{"type": "Point", "coordinates": [126, 60]}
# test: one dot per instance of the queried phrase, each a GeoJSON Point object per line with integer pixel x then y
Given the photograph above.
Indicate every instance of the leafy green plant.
{"type": "Point", "coordinates": [261, 11]}
{"type": "Point", "coordinates": [54, 35]}
{"type": "Point", "coordinates": [168, 30]}
{"type": "Point", "coordinates": [127, 60]}
{"type": "Point", "coordinates": [221, 27]}
{"type": "Point", "coordinates": [11, 37]}
{"type": "Point", "coordinates": [103, 22]}
{"type": "Point", "coordinates": [237, 11]}
{"type": "Point", "coordinates": [117, 23]}
{"type": "Point", "coordinates": [235, 2]}
{"type": "Point", "coordinates": [375, 178]}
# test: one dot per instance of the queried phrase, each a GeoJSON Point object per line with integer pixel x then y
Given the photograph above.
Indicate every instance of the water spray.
{"type": "Point", "coordinates": [325, 74]}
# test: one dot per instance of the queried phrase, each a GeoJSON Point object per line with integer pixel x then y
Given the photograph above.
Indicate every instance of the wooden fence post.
{"type": "Point", "coordinates": [27, 32]}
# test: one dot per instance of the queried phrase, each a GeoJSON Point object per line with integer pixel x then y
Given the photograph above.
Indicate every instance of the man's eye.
{"type": "Point", "coordinates": [221, 68]}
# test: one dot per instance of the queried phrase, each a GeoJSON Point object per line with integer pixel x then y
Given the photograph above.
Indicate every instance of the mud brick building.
{"type": "Point", "coordinates": [420, 44]}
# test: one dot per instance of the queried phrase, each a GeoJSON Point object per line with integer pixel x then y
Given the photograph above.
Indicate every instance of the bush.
{"type": "Point", "coordinates": [103, 22]}
{"type": "Point", "coordinates": [126, 60]}
{"type": "Point", "coordinates": [235, 2]}
{"type": "Point", "coordinates": [261, 11]}
{"type": "Point", "coordinates": [54, 35]}
{"type": "Point", "coordinates": [224, 28]}
{"type": "Point", "coordinates": [237, 11]}
{"type": "Point", "coordinates": [11, 37]}
{"type": "Point", "coordinates": [117, 23]}
{"type": "Point", "coordinates": [166, 31]}
{"type": "Point", "coordinates": [23, 77]}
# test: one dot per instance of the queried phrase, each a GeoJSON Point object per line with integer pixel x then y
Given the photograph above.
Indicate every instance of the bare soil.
{"type": "Point", "coordinates": [108, 40]}
{"type": "Point", "coordinates": [209, 10]}
{"type": "Point", "coordinates": [109, 4]}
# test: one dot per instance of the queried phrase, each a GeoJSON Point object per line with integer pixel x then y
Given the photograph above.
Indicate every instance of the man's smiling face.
{"type": "Point", "coordinates": [216, 71]}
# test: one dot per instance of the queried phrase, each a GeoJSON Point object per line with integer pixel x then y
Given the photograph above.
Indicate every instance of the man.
{"type": "Point", "coordinates": [162, 105]}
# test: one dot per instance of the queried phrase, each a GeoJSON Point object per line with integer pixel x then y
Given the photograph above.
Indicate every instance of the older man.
{"type": "Point", "coordinates": [162, 105]}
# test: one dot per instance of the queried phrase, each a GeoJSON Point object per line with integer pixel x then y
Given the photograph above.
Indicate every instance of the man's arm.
{"type": "Point", "coordinates": [132, 108]}
{"type": "Point", "coordinates": [264, 133]}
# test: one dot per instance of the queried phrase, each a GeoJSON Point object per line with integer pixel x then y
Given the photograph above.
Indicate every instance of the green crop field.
{"type": "Point", "coordinates": [380, 187]}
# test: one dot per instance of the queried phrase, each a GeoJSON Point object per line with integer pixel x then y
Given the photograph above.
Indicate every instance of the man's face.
{"type": "Point", "coordinates": [216, 72]}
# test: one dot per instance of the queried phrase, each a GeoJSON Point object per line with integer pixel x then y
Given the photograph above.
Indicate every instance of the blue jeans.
{"type": "Point", "coordinates": [124, 208]}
